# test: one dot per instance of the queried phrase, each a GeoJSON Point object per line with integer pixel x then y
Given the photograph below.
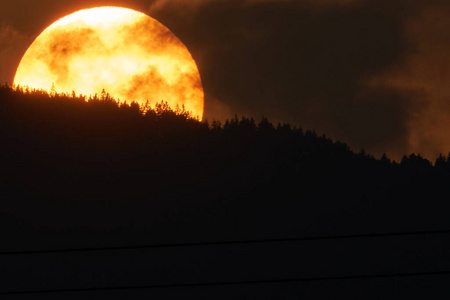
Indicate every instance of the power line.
{"type": "Point", "coordinates": [227, 283]}
{"type": "Point", "coordinates": [223, 243]}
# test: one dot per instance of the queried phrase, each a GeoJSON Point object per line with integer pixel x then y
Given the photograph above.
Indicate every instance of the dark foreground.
{"type": "Point", "coordinates": [240, 211]}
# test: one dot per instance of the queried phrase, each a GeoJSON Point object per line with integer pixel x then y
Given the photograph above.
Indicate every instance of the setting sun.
{"type": "Point", "coordinates": [125, 52]}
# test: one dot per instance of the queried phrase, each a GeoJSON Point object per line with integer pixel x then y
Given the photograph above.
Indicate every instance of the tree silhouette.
{"type": "Point", "coordinates": [107, 145]}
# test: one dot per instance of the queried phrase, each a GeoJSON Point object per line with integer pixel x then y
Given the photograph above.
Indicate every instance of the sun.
{"type": "Point", "coordinates": [127, 53]}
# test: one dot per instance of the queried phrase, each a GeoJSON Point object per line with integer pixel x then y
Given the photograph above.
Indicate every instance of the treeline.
{"type": "Point", "coordinates": [118, 173]}
{"type": "Point", "coordinates": [97, 147]}
{"type": "Point", "coordinates": [162, 120]}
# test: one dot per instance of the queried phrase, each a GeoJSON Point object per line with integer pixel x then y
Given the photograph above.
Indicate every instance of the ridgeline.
{"type": "Point", "coordinates": [117, 165]}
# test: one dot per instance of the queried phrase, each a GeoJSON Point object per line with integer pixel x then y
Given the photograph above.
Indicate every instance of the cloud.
{"type": "Point", "coordinates": [289, 62]}
{"type": "Point", "coordinates": [370, 73]}
{"type": "Point", "coordinates": [423, 74]}
{"type": "Point", "coordinates": [218, 110]}
{"type": "Point", "coordinates": [13, 45]}
{"type": "Point", "coordinates": [319, 5]}
{"type": "Point", "coordinates": [193, 5]}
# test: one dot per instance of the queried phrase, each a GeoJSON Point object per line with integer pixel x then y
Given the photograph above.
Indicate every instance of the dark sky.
{"type": "Point", "coordinates": [370, 73]}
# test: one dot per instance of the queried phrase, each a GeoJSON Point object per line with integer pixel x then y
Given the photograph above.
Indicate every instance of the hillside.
{"type": "Point", "coordinates": [67, 157]}
{"type": "Point", "coordinates": [101, 149]}
{"type": "Point", "coordinates": [79, 173]}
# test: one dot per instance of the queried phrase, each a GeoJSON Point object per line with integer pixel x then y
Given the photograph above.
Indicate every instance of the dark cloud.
{"type": "Point", "coordinates": [152, 79]}
{"type": "Point", "coordinates": [291, 63]}
{"type": "Point", "coordinates": [423, 73]}
{"type": "Point", "coordinates": [13, 45]}
{"type": "Point", "coordinates": [360, 71]}
{"type": "Point", "coordinates": [148, 33]}
{"type": "Point", "coordinates": [65, 44]}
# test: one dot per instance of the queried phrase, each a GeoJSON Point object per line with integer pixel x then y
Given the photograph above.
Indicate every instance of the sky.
{"type": "Point", "coordinates": [372, 74]}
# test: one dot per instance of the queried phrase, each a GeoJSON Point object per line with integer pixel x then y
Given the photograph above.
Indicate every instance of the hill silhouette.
{"type": "Point", "coordinates": [73, 149]}
{"type": "Point", "coordinates": [99, 148]}
{"type": "Point", "coordinates": [106, 148]}
{"type": "Point", "coordinates": [93, 172]}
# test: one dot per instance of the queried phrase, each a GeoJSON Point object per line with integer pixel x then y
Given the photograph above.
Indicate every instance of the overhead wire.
{"type": "Point", "coordinates": [230, 242]}
{"type": "Point", "coordinates": [227, 283]}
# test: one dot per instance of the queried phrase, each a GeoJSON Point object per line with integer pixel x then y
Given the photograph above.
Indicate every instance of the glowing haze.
{"type": "Point", "coordinates": [125, 52]}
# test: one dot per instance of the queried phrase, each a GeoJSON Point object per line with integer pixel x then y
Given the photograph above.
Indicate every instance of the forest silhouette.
{"type": "Point", "coordinates": [112, 164]}
{"type": "Point", "coordinates": [94, 173]}
{"type": "Point", "coordinates": [100, 141]}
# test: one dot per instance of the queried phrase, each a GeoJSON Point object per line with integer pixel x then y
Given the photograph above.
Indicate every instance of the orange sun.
{"type": "Point", "coordinates": [125, 52]}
